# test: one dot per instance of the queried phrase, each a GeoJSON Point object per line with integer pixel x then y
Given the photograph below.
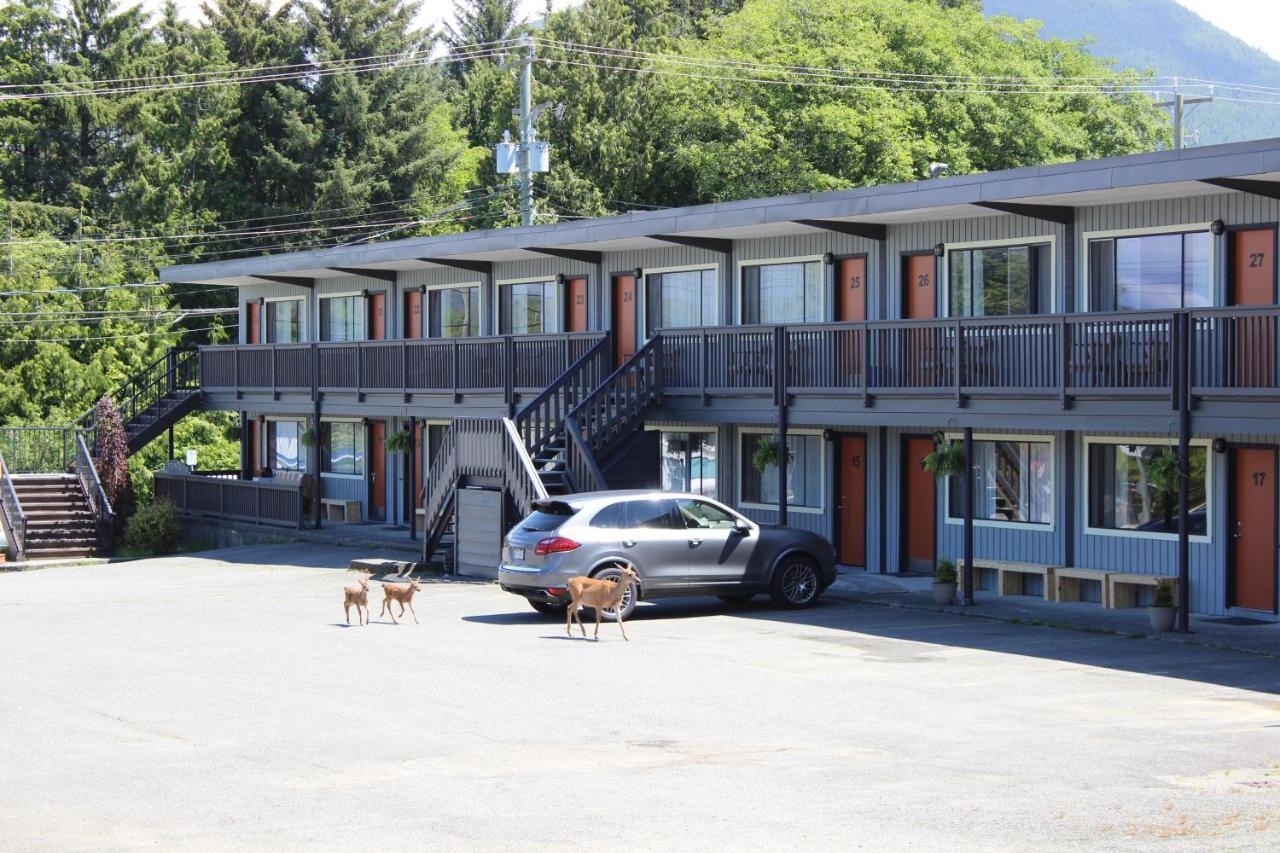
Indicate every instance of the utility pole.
{"type": "Point", "coordinates": [1179, 104]}
{"type": "Point", "coordinates": [526, 131]}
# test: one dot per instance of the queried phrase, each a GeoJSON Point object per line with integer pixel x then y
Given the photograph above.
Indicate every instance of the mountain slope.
{"type": "Point", "coordinates": [1169, 39]}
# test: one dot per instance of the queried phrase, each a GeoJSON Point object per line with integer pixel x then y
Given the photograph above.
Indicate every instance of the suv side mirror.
{"type": "Point", "coordinates": [741, 528]}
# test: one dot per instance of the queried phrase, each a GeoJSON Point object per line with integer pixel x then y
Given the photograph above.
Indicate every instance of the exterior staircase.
{"type": "Point", "coordinates": [551, 446]}
{"type": "Point", "coordinates": [156, 397]}
{"type": "Point", "coordinates": [60, 522]}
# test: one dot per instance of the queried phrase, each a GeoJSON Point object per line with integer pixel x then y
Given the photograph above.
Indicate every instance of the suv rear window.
{"type": "Point", "coordinates": [547, 518]}
{"type": "Point", "coordinates": [635, 514]}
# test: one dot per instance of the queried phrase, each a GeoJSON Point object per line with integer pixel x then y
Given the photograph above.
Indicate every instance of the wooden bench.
{"type": "Point", "coordinates": [1067, 583]}
{"type": "Point", "coordinates": [1122, 587]}
{"type": "Point", "coordinates": [340, 509]}
{"type": "Point", "coordinates": [1010, 576]}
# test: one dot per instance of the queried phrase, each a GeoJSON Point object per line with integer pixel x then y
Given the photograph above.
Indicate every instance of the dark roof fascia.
{"type": "Point", "coordinates": [1014, 185]}
{"type": "Point", "coordinates": [382, 275]}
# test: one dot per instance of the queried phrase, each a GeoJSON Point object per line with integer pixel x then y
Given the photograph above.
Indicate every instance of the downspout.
{"type": "Point", "coordinates": [966, 484]}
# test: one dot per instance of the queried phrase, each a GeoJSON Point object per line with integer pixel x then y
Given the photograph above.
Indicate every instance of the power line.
{"type": "Point", "coordinates": [135, 336]}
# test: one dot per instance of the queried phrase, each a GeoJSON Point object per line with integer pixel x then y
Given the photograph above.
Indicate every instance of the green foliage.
{"type": "Point", "coordinates": [945, 571]}
{"type": "Point", "coordinates": [111, 458]}
{"type": "Point", "coordinates": [1163, 471]}
{"type": "Point", "coordinates": [1162, 595]}
{"type": "Point", "coordinates": [400, 441]}
{"type": "Point", "coordinates": [768, 452]}
{"type": "Point", "coordinates": [946, 459]}
{"type": "Point", "coordinates": [153, 530]}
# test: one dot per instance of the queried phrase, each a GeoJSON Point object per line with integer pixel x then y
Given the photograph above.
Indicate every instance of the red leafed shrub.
{"type": "Point", "coordinates": [111, 456]}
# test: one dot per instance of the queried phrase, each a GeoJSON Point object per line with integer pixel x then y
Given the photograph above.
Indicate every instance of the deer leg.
{"type": "Point", "coordinates": [402, 609]}
{"type": "Point", "coordinates": [384, 606]}
{"type": "Point", "coordinates": [346, 608]}
{"type": "Point", "coordinates": [598, 612]}
{"type": "Point", "coordinates": [568, 619]}
{"type": "Point", "coordinates": [391, 612]}
{"type": "Point", "coordinates": [414, 612]}
{"type": "Point", "coordinates": [620, 627]}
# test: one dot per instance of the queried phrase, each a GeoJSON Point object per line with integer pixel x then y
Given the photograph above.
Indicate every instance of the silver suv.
{"type": "Point", "coordinates": [679, 544]}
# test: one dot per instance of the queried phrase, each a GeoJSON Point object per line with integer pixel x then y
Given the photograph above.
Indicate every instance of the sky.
{"type": "Point", "coordinates": [1256, 22]}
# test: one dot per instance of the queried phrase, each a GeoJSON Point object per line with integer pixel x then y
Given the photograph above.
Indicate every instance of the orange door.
{"type": "Point", "coordinates": [853, 500]}
{"type": "Point", "coordinates": [918, 519]}
{"type": "Point", "coordinates": [577, 304]}
{"type": "Point", "coordinates": [1254, 267]}
{"type": "Point", "coordinates": [1253, 282]}
{"type": "Point", "coordinates": [1253, 544]}
{"type": "Point", "coordinates": [413, 314]}
{"type": "Point", "coordinates": [918, 288]}
{"type": "Point", "coordinates": [624, 317]}
{"type": "Point", "coordinates": [378, 470]}
{"type": "Point", "coordinates": [253, 334]}
{"type": "Point", "coordinates": [851, 283]}
{"type": "Point", "coordinates": [377, 315]}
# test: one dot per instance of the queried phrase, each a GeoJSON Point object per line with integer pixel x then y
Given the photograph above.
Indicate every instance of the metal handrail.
{"type": "Point", "coordinates": [15, 520]}
{"type": "Point", "coordinates": [521, 480]}
{"type": "Point", "coordinates": [87, 472]}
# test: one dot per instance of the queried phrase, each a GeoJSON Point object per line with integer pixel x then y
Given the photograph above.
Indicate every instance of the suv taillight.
{"type": "Point", "coordinates": [555, 545]}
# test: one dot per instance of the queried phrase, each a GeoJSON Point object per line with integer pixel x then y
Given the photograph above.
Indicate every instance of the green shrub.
{"type": "Point", "coordinates": [945, 571]}
{"type": "Point", "coordinates": [153, 529]}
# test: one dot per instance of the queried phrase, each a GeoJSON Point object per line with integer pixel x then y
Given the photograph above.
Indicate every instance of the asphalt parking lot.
{"type": "Point", "coordinates": [217, 702]}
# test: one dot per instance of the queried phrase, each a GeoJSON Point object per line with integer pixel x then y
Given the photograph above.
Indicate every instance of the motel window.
{"type": "Point", "coordinates": [342, 318]}
{"type": "Point", "coordinates": [689, 462]}
{"type": "Point", "coordinates": [284, 440]}
{"type": "Point", "coordinates": [284, 321]}
{"type": "Point", "coordinates": [804, 472]}
{"type": "Point", "coordinates": [342, 448]}
{"type": "Point", "coordinates": [681, 299]}
{"type": "Point", "coordinates": [783, 293]}
{"type": "Point", "coordinates": [1154, 272]}
{"type": "Point", "coordinates": [454, 312]}
{"type": "Point", "coordinates": [1012, 482]}
{"type": "Point", "coordinates": [530, 308]}
{"type": "Point", "coordinates": [1000, 280]}
{"type": "Point", "coordinates": [1122, 497]}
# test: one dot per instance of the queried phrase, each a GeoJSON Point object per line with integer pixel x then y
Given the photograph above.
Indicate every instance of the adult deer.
{"type": "Point", "coordinates": [602, 594]}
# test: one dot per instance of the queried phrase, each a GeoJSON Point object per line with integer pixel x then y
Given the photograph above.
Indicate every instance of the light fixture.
{"type": "Point", "coordinates": [1218, 227]}
{"type": "Point", "coordinates": [365, 293]}
{"type": "Point", "coordinates": [939, 250]}
{"type": "Point", "coordinates": [828, 435]}
{"type": "Point", "coordinates": [638, 273]}
{"type": "Point", "coordinates": [829, 258]}
{"type": "Point", "coordinates": [560, 279]}
{"type": "Point", "coordinates": [422, 288]}
{"type": "Point", "coordinates": [1219, 445]}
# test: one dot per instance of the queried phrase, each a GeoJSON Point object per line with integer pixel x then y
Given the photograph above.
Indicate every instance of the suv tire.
{"type": "Point", "coordinates": [628, 602]}
{"type": "Point", "coordinates": [796, 583]}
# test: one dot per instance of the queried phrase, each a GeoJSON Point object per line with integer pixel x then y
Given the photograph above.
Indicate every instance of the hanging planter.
{"type": "Point", "coordinates": [399, 442]}
{"type": "Point", "coordinates": [768, 452]}
{"type": "Point", "coordinates": [308, 437]}
{"type": "Point", "coordinates": [946, 459]}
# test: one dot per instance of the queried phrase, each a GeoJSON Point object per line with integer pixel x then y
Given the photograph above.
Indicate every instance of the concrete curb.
{"type": "Point", "coordinates": [34, 565]}
{"type": "Point", "coordinates": [972, 613]}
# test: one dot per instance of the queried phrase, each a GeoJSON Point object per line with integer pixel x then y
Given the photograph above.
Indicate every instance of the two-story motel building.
{"type": "Point", "coordinates": [1068, 314]}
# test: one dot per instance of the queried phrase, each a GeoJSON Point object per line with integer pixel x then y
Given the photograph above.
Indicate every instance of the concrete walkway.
{"type": "Point", "coordinates": [916, 593]}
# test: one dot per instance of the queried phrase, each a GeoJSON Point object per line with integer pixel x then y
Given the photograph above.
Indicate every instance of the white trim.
{"type": "Point", "coordinates": [537, 279]}
{"type": "Point", "coordinates": [1050, 240]}
{"type": "Point", "coordinates": [426, 308]}
{"type": "Point", "coordinates": [1148, 441]}
{"type": "Point", "coordinates": [302, 317]}
{"type": "Point", "coordinates": [769, 262]}
{"type": "Point", "coordinates": [1033, 526]}
{"type": "Point", "coordinates": [1148, 231]}
{"type": "Point", "coordinates": [643, 288]}
{"type": "Point", "coordinates": [738, 470]}
{"type": "Point", "coordinates": [291, 418]}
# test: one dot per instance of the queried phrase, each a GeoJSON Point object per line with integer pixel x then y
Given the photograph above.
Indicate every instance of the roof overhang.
{"type": "Point", "coordinates": [1047, 192]}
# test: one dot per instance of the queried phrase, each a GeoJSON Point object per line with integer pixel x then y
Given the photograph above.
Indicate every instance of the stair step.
{"type": "Point", "coordinates": [60, 553]}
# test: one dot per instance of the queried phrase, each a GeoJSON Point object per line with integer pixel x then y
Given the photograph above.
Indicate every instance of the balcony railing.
{"type": "Point", "coordinates": [1233, 352]}
{"type": "Point", "coordinates": [513, 363]}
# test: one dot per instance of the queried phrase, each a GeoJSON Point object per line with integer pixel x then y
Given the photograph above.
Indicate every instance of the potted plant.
{"type": "Point", "coordinates": [308, 437]}
{"type": "Point", "coordinates": [1163, 607]}
{"type": "Point", "coordinates": [946, 459]}
{"type": "Point", "coordinates": [399, 442]}
{"type": "Point", "coordinates": [944, 582]}
{"type": "Point", "coordinates": [768, 452]}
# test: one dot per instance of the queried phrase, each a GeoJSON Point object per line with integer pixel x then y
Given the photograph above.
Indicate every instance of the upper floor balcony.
{"type": "Point", "coordinates": [1231, 353]}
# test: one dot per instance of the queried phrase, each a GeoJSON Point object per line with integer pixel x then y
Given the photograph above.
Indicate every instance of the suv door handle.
{"type": "Point", "coordinates": [695, 542]}
{"type": "Point", "coordinates": [628, 543]}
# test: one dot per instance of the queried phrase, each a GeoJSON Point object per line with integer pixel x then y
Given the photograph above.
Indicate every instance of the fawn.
{"type": "Point", "coordinates": [401, 592]}
{"type": "Point", "coordinates": [359, 597]}
{"type": "Point", "coordinates": [603, 594]}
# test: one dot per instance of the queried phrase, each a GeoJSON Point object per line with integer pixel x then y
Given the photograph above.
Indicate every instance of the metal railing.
{"type": "Point", "coordinates": [542, 419]}
{"type": "Point", "coordinates": [1235, 352]}
{"type": "Point", "coordinates": [15, 520]}
{"type": "Point", "coordinates": [38, 449]}
{"type": "Point", "coordinates": [173, 373]}
{"type": "Point", "coordinates": [610, 413]}
{"type": "Point", "coordinates": [438, 491]}
{"type": "Point", "coordinates": [87, 473]}
{"type": "Point", "coordinates": [497, 365]}
{"type": "Point", "coordinates": [277, 504]}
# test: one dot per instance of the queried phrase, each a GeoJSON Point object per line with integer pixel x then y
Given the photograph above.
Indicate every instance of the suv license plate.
{"type": "Point", "coordinates": [517, 554]}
